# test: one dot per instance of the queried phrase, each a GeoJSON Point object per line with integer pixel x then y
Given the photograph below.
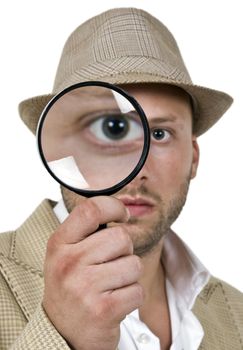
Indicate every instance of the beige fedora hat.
{"type": "Point", "coordinates": [127, 45]}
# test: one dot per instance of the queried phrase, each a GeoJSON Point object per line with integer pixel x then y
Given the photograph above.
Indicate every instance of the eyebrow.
{"type": "Point", "coordinates": [163, 119]}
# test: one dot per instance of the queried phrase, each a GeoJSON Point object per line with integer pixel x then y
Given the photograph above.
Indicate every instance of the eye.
{"type": "Point", "coordinates": [160, 135]}
{"type": "Point", "coordinates": [116, 128]}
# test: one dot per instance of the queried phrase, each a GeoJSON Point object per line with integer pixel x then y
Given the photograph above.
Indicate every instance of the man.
{"type": "Point", "coordinates": [135, 284]}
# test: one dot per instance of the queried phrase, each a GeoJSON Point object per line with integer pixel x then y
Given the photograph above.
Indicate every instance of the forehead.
{"type": "Point", "coordinates": [158, 99]}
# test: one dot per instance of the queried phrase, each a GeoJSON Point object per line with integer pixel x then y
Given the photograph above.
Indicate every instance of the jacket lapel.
{"type": "Point", "coordinates": [22, 263]}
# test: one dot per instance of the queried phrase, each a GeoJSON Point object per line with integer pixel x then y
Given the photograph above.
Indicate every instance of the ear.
{"type": "Point", "coordinates": [195, 156]}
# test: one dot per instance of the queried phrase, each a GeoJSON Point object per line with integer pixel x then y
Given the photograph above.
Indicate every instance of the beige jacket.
{"type": "Point", "coordinates": [24, 325]}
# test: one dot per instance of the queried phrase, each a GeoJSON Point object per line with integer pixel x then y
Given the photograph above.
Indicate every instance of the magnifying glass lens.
{"type": "Point", "coordinates": [93, 138]}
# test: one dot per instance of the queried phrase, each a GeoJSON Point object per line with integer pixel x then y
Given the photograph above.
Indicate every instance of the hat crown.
{"type": "Point", "coordinates": [122, 46]}
{"type": "Point", "coordinates": [117, 42]}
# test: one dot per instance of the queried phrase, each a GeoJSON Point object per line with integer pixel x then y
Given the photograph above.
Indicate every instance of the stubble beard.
{"type": "Point", "coordinates": [145, 235]}
{"type": "Point", "coordinates": [146, 239]}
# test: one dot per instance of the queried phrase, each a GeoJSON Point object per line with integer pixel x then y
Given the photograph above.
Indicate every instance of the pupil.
{"type": "Point", "coordinates": [158, 134]}
{"type": "Point", "coordinates": [115, 127]}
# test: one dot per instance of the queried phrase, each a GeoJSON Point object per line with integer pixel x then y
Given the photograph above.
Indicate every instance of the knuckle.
{"type": "Point", "coordinates": [88, 280]}
{"type": "Point", "coordinates": [85, 209]}
{"type": "Point", "coordinates": [106, 308]}
{"type": "Point", "coordinates": [64, 265]}
{"type": "Point", "coordinates": [78, 286]}
{"type": "Point", "coordinates": [90, 212]}
{"type": "Point", "coordinates": [123, 237]}
{"type": "Point", "coordinates": [52, 243]}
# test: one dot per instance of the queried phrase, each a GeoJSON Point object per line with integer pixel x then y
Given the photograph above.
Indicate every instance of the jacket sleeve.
{"type": "Point", "coordinates": [39, 334]}
{"type": "Point", "coordinates": [16, 332]}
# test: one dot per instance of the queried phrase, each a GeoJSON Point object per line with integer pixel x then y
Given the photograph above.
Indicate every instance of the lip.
{"type": "Point", "coordinates": [137, 206]}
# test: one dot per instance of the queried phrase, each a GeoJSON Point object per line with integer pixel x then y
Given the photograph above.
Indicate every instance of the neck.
{"type": "Point", "coordinates": [153, 279]}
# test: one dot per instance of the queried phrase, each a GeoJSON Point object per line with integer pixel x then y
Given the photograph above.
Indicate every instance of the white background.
{"type": "Point", "coordinates": [209, 34]}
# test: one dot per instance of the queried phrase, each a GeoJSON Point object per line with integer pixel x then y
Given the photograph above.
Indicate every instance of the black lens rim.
{"type": "Point", "coordinates": [113, 189]}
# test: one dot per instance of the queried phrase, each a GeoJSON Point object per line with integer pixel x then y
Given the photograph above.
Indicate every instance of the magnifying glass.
{"type": "Point", "coordinates": [93, 138]}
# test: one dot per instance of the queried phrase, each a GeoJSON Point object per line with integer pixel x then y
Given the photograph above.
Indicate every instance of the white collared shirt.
{"type": "Point", "coordinates": [186, 276]}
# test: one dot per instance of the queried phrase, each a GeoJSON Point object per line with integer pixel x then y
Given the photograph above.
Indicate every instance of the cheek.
{"type": "Point", "coordinates": [174, 167]}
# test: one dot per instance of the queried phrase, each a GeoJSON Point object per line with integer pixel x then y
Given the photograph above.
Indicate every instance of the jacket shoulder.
{"type": "Point", "coordinates": [233, 300]}
{"type": "Point", "coordinates": [217, 289]}
{"type": "Point", "coordinates": [219, 308]}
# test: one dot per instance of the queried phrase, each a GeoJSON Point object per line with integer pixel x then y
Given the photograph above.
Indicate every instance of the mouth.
{"type": "Point", "coordinates": [138, 206]}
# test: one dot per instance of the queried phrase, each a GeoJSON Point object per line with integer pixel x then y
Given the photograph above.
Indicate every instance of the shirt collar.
{"type": "Point", "coordinates": [184, 270]}
{"type": "Point", "coordinates": [60, 211]}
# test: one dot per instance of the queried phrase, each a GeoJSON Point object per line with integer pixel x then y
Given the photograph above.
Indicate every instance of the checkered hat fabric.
{"type": "Point", "coordinates": [124, 46]}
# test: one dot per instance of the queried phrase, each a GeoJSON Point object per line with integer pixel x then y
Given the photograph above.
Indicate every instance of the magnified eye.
{"type": "Point", "coordinates": [159, 134]}
{"type": "Point", "coordinates": [116, 128]}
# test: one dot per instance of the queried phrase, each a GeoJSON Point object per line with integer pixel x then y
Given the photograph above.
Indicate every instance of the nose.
{"type": "Point", "coordinates": [148, 171]}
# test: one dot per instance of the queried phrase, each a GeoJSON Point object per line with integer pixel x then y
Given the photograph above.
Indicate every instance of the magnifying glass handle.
{"type": "Point", "coordinates": [101, 227]}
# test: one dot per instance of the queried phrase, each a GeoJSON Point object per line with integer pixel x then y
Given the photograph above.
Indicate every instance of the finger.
{"type": "Point", "coordinates": [123, 301]}
{"type": "Point", "coordinates": [118, 273]}
{"type": "Point", "coordinates": [105, 245]}
{"type": "Point", "coordinates": [88, 215]}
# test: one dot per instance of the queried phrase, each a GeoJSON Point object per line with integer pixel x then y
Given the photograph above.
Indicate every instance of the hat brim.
{"type": "Point", "coordinates": [210, 104]}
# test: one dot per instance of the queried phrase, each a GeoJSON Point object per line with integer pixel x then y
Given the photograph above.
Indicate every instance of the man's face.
{"type": "Point", "coordinates": [157, 194]}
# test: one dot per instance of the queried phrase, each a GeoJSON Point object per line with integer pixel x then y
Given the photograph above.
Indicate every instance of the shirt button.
{"type": "Point", "coordinates": [143, 338]}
